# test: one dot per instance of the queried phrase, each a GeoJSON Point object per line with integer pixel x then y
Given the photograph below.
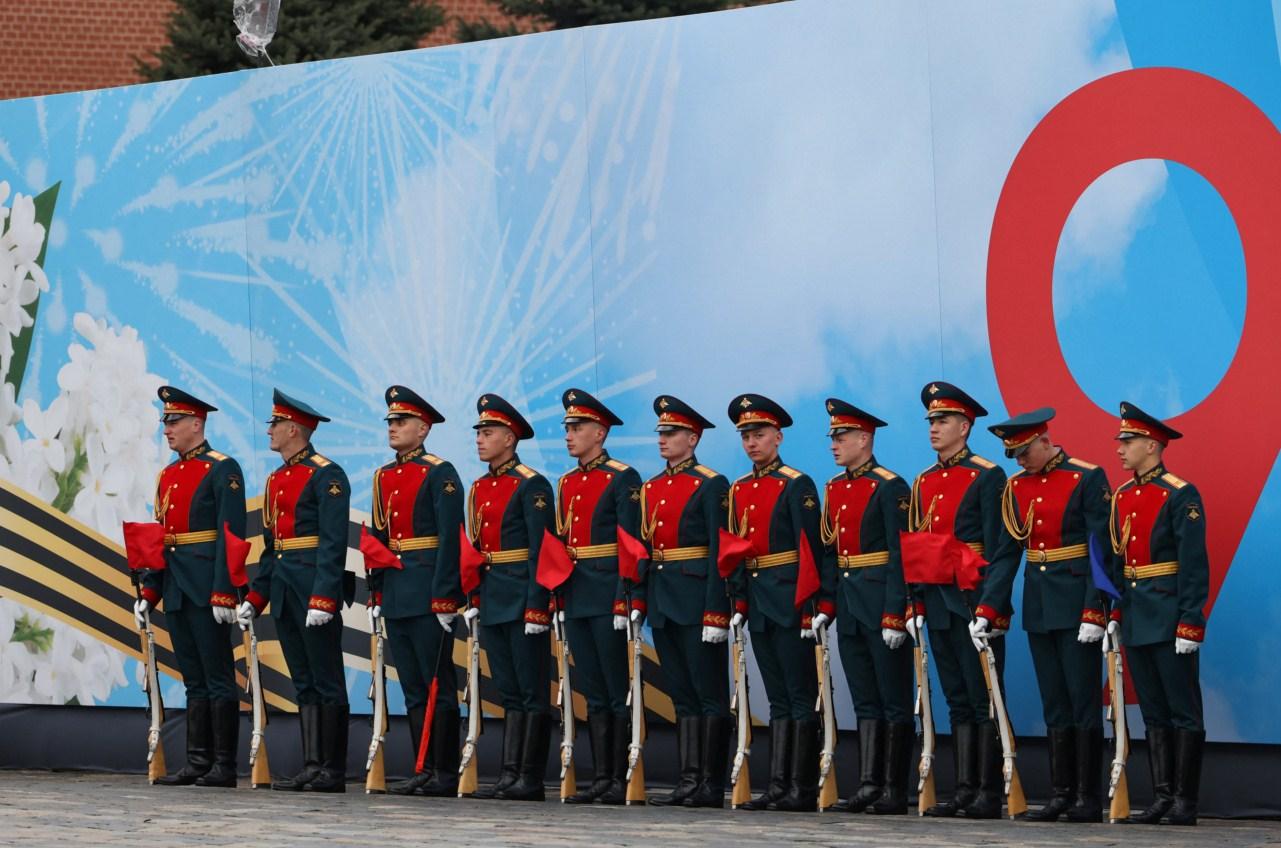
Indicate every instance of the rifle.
{"type": "Point", "coordinates": [259, 771]}
{"type": "Point", "coordinates": [151, 685]}
{"type": "Point", "coordinates": [741, 705]}
{"type": "Point", "coordinates": [1118, 786]}
{"type": "Point", "coordinates": [635, 700]}
{"type": "Point", "coordinates": [827, 792]}
{"type": "Point", "coordinates": [375, 767]}
{"type": "Point", "coordinates": [565, 699]}
{"type": "Point", "coordinates": [467, 777]}
{"type": "Point", "coordinates": [1015, 800]}
{"type": "Point", "coordinates": [924, 708]}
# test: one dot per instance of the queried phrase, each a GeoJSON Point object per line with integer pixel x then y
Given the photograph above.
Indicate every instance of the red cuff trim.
{"type": "Point", "coordinates": [827, 608]}
{"type": "Point", "coordinates": [914, 609]}
{"type": "Point", "coordinates": [259, 602]}
{"type": "Point", "coordinates": [893, 622]}
{"type": "Point", "coordinates": [1093, 616]}
{"type": "Point", "coordinates": [151, 596]}
{"type": "Point", "coordinates": [716, 619]}
{"type": "Point", "coordinates": [807, 621]}
{"type": "Point", "coordinates": [534, 616]}
{"type": "Point", "coordinates": [323, 604]}
{"type": "Point", "coordinates": [375, 599]}
{"type": "Point", "coordinates": [218, 599]}
{"type": "Point", "coordinates": [638, 605]}
{"type": "Point", "coordinates": [1116, 614]}
{"type": "Point", "coordinates": [557, 603]}
{"type": "Point", "coordinates": [444, 606]}
{"type": "Point", "coordinates": [1001, 622]}
{"type": "Point", "coordinates": [620, 608]}
{"type": "Point", "coordinates": [740, 607]}
{"type": "Point", "coordinates": [1190, 632]}
{"type": "Point", "coordinates": [985, 611]}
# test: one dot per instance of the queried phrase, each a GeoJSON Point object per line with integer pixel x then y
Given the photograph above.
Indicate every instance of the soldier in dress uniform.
{"type": "Point", "coordinates": [594, 501]}
{"type": "Point", "coordinates": [773, 506]}
{"type": "Point", "coordinates": [417, 513]}
{"type": "Point", "coordinates": [302, 574]}
{"type": "Point", "coordinates": [1051, 508]}
{"type": "Point", "coordinates": [683, 509]}
{"type": "Point", "coordinates": [961, 494]}
{"type": "Point", "coordinates": [1158, 522]}
{"type": "Point", "coordinates": [864, 509]}
{"type": "Point", "coordinates": [509, 509]}
{"type": "Point", "coordinates": [196, 495]}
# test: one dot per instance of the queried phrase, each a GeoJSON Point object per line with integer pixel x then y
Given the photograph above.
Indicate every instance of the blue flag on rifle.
{"type": "Point", "coordinates": [1097, 571]}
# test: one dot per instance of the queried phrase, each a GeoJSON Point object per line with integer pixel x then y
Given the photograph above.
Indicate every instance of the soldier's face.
{"type": "Point", "coordinates": [584, 438]}
{"type": "Point", "coordinates": [761, 444]}
{"type": "Point", "coordinates": [406, 434]}
{"type": "Point", "coordinates": [184, 433]}
{"type": "Point", "coordinates": [677, 445]}
{"type": "Point", "coordinates": [948, 433]}
{"type": "Point", "coordinates": [1137, 453]}
{"type": "Point", "coordinates": [851, 447]}
{"type": "Point", "coordinates": [493, 442]}
{"type": "Point", "coordinates": [1038, 454]}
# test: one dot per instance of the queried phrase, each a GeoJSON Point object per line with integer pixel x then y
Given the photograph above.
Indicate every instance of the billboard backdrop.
{"type": "Point", "coordinates": [1047, 203]}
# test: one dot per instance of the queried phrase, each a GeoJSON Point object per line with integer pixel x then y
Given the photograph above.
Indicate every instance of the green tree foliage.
{"type": "Point", "coordinates": [563, 14]}
{"type": "Point", "coordinates": [202, 35]}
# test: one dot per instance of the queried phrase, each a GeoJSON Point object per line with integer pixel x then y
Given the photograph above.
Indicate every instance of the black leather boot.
{"type": "Point", "coordinates": [533, 761]}
{"type": "Point", "coordinates": [1062, 742]}
{"type": "Point", "coordinates": [780, 758]}
{"type": "Point", "coordinates": [513, 740]}
{"type": "Point", "coordinates": [711, 786]}
{"type": "Point", "coordinates": [620, 739]}
{"type": "Point", "coordinates": [333, 742]}
{"type": "Point", "coordinates": [418, 780]}
{"type": "Point", "coordinates": [225, 723]}
{"type": "Point", "coordinates": [871, 760]}
{"type": "Point", "coordinates": [898, 769]}
{"type": "Point", "coordinates": [444, 754]}
{"type": "Point", "coordinates": [1161, 762]}
{"type": "Point", "coordinates": [1189, 745]}
{"type": "Point", "coordinates": [199, 737]}
{"type": "Point", "coordinates": [965, 755]}
{"type": "Point", "coordinates": [1089, 776]}
{"type": "Point", "coordinates": [689, 744]}
{"type": "Point", "coordinates": [600, 733]}
{"type": "Point", "coordinates": [309, 726]}
{"type": "Point", "coordinates": [802, 788]}
{"type": "Point", "coordinates": [991, 795]}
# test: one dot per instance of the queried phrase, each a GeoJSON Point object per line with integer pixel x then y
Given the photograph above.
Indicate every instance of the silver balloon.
{"type": "Point", "coordinates": [256, 20]}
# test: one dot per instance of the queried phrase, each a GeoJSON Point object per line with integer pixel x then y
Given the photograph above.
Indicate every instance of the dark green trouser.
{"type": "Point", "coordinates": [202, 647]}
{"type": "Point", "coordinates": [599, 672]}
{"type": "Point", "coordinates": [960, 671]}
{"type": "Point", "coordinates": [519, 666]}
{"type": "Point", "coordinates": [880, 680]}
{"type": "Point", "coordinates": [313, 654]}
{"type": "Point", "coordinates": [697, 672]}
{"type": "Point", "coordinates": [1168, 686]}
{"type": "Point", "coordinates": [417, 644]}
{"type": "Point", "coordinates": [786, 661]}
{"type": "Point", "coordinates": [1070, 677]}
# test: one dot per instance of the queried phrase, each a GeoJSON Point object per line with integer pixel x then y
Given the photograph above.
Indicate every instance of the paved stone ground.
{"type": "Point", "coordinates": [43, 808]}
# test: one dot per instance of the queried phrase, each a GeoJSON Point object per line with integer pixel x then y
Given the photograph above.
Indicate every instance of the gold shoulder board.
{"type": "Point", "coordinates": [215, 456]}
{"type": "Point", "coordinates": [1081, 463]}
{"type": "Point", "coordinates": [320, 461]}
{"type": "Point", "coordinates": [616, 465]}
{"type": "Point", "coordinates": [884, 473]}
{"type": "Point", "coordinates": [432, 458]}
{"type": "Point", "coordinates": [1176, 482]}
{"type": "Point", "coordinates": [789, 472]}
{"type": "Point", "coordinates": [705, 471]}
{"type": "Point", "coordinates": [981, 462]}
{"type": "Point", "coordinates": [525, 471]}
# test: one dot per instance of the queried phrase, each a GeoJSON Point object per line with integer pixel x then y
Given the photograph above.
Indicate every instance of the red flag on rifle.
{"type": "Point", "coordinates": [237, 550]}
{"type": "Point", "coordinates": [377, 555]}
{"type": "Point", "coordinates": [469, 562]}
{"type": "Point", "coordinates": [144, 545]}
{"type": "Point", "coordinates": [730, 551]}
{"type": "Point", "coordinates": [939, 558]}
{"type": "Point", "coordinates": [968, 566]}
{"type": "Point", "coordinates": [630, 552]}
{"type": "Point", "coordinates": [554, 564]}
{"type": "Point", "coordinates": [807, 582]}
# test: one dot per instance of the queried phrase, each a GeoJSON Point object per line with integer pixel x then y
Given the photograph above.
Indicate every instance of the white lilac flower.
{"type": "Point", "coordinates": [10, 412]}
{"type": "Point", "coordinates": [21, 279]}
{"type": "Point", "coordinates": [104, 482]}
{"type": "Point", "coordinates": [45, 427]}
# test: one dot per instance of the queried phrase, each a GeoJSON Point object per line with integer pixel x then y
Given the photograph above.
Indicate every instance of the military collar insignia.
{"type": "Point", "coordinates": [1059, 459]}
{"type": "Point", "coordinates": [300, 456]}
{"type": "Point", "coordinates": [505, 467]}
{"type": "Point", "coordinates": [769, 469]}
{"type": "Point", "coordinates": [672, 471]}
{"type": "Point", "coordinates": [203, 447]}
{"type": "Point", "coordinates": [956, 458]}
{"type": "Point", "coordinates": [861, 470]}
{"type": "Point", "coordinates": [595, 463]}
{"type": "Point", "coordinates": [1151, 475]}
{"type": "Point", "coordinates": [409, 456]}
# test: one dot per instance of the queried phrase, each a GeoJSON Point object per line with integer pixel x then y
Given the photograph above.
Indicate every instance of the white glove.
{"type": "Point", "coordinates": [318, 618]}
{"type": "Point", "coordinates": [224, 615]}
{"type": "Point", "coordinates": [620, 622]}
{"type": "Point", "coordinates": [637, 615]}
{"type": "Point", "coordinates": [979, 630]}
{"type": "Point", "coordinates": [446, 619]}
{"type": "Point", "coordinates": [471, 613]}
{"type": "Point", "coordinates": [1185, 646]}
{"type": "Point", "coordinates": [737, 619]}
{"type": "Point", "coordinates": [818, 623]}
{"type": "Point", "coordinates": [1089, 633]}
{"type": "Point", "coordinates": [1114, 628]}
{"type": "Point", "coordinates": [715, 635]}
{"type": "Point", "coordinates": [892, 638]}
{"type": "Point", "coordinates": [140, 608]}
{"type": "Point", "coordinates": [916, 627]}
{"type": "Point", "coordinates": [245, 614]}
{"type": "Point", "coordinates": [532, 629]}
{"type": "Point", "coordinates": [375, 612]}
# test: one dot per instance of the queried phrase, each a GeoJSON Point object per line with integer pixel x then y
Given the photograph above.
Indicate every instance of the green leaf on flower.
{"type": "Point", "coordinates": [68, 481]}
{"type": "Point", "coordinates": [37, 639]}
{"type": "Point", "coordinates": [44, 202]}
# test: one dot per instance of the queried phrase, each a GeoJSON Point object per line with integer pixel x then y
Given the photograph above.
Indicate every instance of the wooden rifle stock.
{"type": "Point", "coordinates": [636, 766]}
{"type": "Point", "coordinates": [742, 791]}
